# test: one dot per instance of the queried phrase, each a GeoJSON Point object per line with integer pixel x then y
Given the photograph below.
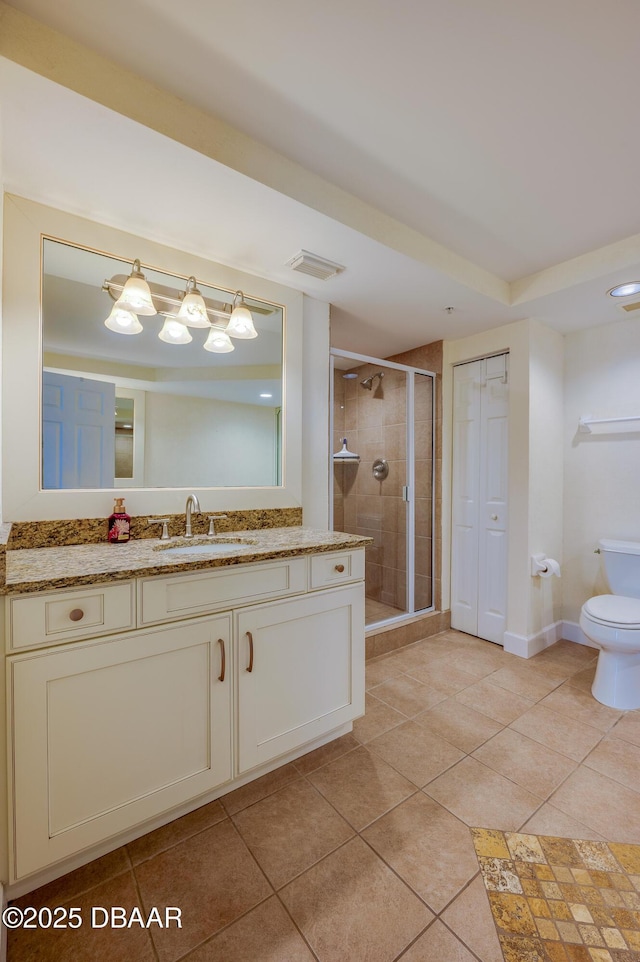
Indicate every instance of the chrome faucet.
{"type": "Point", "coordinates": [192, 505]}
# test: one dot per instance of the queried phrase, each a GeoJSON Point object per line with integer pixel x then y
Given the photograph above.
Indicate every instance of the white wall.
{"type": "Point", "coordinates": [214, 443]}
{"type": "Point", "coordinates": [546, 350]}
{"type": "Point", "coordinates": [315, 413]}
{"type": "Point", "coordinates": [601, 470]}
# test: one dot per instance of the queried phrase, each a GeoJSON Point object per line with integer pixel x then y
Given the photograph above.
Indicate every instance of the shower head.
{"type": "Point", "coordinates": [368, 381]}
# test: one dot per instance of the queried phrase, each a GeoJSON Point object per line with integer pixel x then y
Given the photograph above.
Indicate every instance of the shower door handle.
{"type": "Point", "coordinates": [405, 492]}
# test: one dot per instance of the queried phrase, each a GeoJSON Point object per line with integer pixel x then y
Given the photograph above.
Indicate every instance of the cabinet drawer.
{"type": "Point", "coordinates": [182, 596]}
{"type": "Point", "coordinates": [337, 568]}
{"type": "Point", "coordinates": [55, 617]}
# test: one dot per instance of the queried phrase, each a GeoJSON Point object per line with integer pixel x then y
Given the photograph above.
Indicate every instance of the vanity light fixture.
{"type": "Point", "coordinates": [240, 323]}
{"type": "Point", "coordinates": [123, 322]}
{"type": "Point", "coordinates": [193, 310]}
{"type": "Point", "coordinates": [174, 332]}
{"type": "Point", "coordinates": [136, 296]}
{"type": "Point", "coordinates": [218, 342]}
{"type": "Point", "coordinates": [133, 296]}
{"type": "Point", "coordinates": [625, 290]}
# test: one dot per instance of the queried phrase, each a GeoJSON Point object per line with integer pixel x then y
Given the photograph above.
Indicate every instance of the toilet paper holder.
{"type": "Point", "coordinates": [544, 567]}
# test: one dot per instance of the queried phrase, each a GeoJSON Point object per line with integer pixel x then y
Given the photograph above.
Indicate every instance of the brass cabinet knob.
{"type": "Point", "coordinates": [340, 568]}
{"type": "Point", "coordinates": [76, 615]}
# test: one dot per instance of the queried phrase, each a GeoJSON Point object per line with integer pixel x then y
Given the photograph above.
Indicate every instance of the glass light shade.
{"type": "Point", "coordinates": [193, 311]}
{"type": "Point", "coordinates": [241, 323]}
{"type": "Point", "coordinates": [218, 342]}
{"type": "Point", "coordinates": [136, 295]}
{"type": "Point", "coordinates": [625, 290]}
{"type": "Point", "coordinates": [174, 332]}
{"type": "Point", "coordinates": [123, 322]}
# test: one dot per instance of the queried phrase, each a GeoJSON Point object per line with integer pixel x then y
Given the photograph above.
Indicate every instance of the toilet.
{"type": "Point", "coordinates": [612, 622]}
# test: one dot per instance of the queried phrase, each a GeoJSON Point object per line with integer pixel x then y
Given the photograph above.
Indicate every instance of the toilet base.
{"type": "Point", "coordinates": [617, 680]}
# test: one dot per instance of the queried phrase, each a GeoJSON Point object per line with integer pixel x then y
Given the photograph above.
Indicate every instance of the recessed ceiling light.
{"type": "Point", "coordinates": [266, 395]}
{"type": "Point", "coordinates": [625, 290]}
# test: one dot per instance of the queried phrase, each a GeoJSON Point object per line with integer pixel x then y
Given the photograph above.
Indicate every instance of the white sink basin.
{"type": "Point", "coordinates": [206, 548]}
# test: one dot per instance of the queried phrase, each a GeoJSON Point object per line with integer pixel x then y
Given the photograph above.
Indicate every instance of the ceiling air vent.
{"type": "Point", "coordinates": [315, 266]}
{"type": "Point", "coordinates": [630, 308]}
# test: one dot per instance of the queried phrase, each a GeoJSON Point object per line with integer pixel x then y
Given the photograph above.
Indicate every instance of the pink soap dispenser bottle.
{"type": "Point", "coordinates": [119, 523]}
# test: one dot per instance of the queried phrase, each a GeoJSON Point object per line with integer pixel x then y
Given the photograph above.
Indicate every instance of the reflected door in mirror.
{"type": "Point", "coordinates": [78, 436]}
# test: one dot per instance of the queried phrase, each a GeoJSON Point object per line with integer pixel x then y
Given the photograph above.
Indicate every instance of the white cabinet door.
{"type": "Point", "coordinates": [108, 734]}
{"type": "Point", "coordinates": [300, 671]}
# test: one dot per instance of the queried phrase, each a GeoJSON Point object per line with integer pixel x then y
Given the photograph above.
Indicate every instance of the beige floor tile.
{"type": "Point", "coordinates": [566, 655]}
{"type": "Point", "coordinates": [415, 752]}
{"type": "Point", "coordinates": [438, 943]}
{"type": "Point", "coordinates": [379, 670]}
{"type": "Point", "coordinates": [479, 796]}
{"type": "Point", "coordinates": [442, 676]}
{"type": "Point", "coordinates": [361, 786]}
{"type": "Point", "coordinates": [252, 792]}
{"type": "Point", "coordinates": [617, 759]}
{"type": "Point", "coordinates": [407, 695]}
{"type": "Point", "coordinates": [106, 944]}
{"type": "Point", "coordinates": [495, 702]}
{"type": "Point", "coordinates": [469, 916]}
{"type": "Point", "coordinates": [549, 820]}
{"type": "Point", "coordinates": [74, 883]}
{"type": "Point", "coordinates": [378, 718]}
{"type": "Point", "coordinates": [411, 656]}
{"type": "Point", "coordinates": [464, 727]}
{"type": "Point", "coordinates": [628, 727]}
{"type": "Point", "coordinates": [582, 706]}
{"type": "Point", "coordinates": [351, 906]}
{"type": "Point", "coordinates": [528, 681]}
{"type": "Point", "coordinates": [533, 766]}
{"type": "Point", "coordinates": [291, 830]}
{"type": "Point", "coordinates": [266, 934]}
{"type": "Point", "coordinates": [212, 877]}
{"type": "Point", "coordinates": [583, 679]}
{"type": "Point", "coordinates": [430, 849]}
{"type": "Point", "coordinates": [558, 732]}
{"type": "Point", "coordinates": [181, 828]}
{"type": "Point", "coordinates": [481, 661]}
{"type": "Point", "coordinates": [326, 753]}
{"type": "Point", "coordinates": [604, 805]}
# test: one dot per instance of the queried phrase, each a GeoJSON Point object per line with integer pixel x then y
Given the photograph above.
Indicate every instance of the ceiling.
{"type": "Point", "coordinates": [493, 147]}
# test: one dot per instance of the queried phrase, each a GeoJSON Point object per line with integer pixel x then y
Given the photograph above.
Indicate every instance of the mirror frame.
{"type": "Point", "coordinates": [23, 499]}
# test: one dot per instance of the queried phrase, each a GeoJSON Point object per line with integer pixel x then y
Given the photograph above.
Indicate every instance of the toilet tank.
{"type": "Point", "coordinates": [622, 566]}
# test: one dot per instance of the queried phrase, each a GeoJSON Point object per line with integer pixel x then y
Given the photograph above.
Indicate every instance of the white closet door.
{"type": "Point", "coordinates": [480, 477]}
{"type": "Point", "coordinates": [466, 473]}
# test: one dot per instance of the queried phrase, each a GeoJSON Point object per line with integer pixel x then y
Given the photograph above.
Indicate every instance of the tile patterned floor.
{"type": "Point", "coordinates": [559, 899]}
{"type": "Point", "coordinates": [362, 850]}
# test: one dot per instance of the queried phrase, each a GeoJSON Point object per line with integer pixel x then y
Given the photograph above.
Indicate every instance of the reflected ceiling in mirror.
{"type": "Point", "coordinates": [199, 419]}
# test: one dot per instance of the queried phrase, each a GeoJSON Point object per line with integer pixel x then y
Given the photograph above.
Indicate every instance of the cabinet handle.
{"type": "Point", "coordinates": [340, 568]}
{"type": "Point", "coordinates": [223, 660]}
{"type": "Point", "coordinates": [250, 665]}
{"type": "Point", "coordinates": [76, 615]}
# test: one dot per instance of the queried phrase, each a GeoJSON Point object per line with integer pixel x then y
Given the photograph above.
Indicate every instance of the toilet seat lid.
{"type": "Point", "coordinates": [614, 610]}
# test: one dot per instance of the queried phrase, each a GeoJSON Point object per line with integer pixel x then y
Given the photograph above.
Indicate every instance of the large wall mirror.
{"type": "Point", "coordinates": [174, 417]}
{"type": "Point", "coordinates": [146, 400]}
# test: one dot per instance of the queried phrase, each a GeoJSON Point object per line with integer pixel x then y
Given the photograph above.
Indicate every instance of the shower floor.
{"type": "Point", "coordinates": [375, 611]}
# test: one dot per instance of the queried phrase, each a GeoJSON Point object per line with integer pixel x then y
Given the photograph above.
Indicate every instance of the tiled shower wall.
{"type": "Point", "coordinates": [374, 423]}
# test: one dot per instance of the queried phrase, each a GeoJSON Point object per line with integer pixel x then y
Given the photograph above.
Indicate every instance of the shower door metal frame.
{"type": "Point", "coordinates": [410, 474]}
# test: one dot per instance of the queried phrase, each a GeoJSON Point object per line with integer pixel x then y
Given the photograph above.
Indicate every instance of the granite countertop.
{"type": "Point", "coordinates": [39, 569]}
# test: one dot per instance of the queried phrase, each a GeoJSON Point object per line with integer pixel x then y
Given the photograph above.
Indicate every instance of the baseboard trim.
{"type": "Point", "coordinates": [571, 631]}
{"type": "Point", "coordinates": [527, 647]}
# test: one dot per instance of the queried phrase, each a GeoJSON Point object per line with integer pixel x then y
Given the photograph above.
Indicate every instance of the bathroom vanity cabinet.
{"type": "Point", "coordinates": [130, 700]}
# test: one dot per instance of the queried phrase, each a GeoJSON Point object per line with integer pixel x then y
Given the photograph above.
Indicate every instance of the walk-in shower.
{"type": "Point", "coordinates": [386, 490]}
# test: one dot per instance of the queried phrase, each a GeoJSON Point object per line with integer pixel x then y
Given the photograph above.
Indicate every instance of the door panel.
{"type": "Point", "coordinates": [78, 432]}
{"type": "Point", "coordinates": [479, 498]}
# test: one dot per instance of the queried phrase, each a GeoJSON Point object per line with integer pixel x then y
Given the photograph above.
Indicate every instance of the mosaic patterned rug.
{"type": "Point", "coordinates": [561, 899]}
